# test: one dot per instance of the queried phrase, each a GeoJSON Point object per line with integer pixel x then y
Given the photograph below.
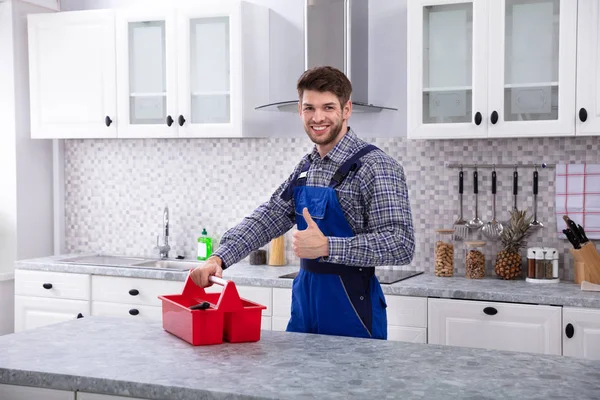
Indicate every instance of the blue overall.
{"type": "Point", "coordinates": [328, 298]}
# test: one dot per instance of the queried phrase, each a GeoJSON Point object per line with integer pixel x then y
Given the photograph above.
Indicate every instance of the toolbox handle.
{"type": "Point", "coordinates": [229, 299]}
{"type": "Point", "coordinates": [217, 280]}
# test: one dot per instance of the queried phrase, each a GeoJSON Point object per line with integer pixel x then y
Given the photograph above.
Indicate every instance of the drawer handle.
{"type": "Point", "coordinates": [569, 331]}
{"type": "Point", "coordinates": [134, 292]}
{"type": "Point", "coordinates": [490, 311]}
{"type": "Point", "coordinates": [47, 286]}
{"type": "Point", "coordinates": [133, 311]}
{"type": "Point", "coordinates": [80, 315]}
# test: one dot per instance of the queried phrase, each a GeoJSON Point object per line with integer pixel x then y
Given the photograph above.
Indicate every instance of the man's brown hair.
{"type": "Point", "coordinates": [326, 79]}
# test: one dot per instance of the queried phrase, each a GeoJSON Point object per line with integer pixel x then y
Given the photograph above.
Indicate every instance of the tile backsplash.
{"type": "Point", "coordinates": [116, 190]}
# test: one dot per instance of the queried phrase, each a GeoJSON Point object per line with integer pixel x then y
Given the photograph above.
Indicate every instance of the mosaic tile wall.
{"type": "Point", "coordinates": [116, 189]}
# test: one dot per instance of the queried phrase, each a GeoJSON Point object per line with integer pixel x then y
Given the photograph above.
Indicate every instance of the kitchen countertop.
{"type": "Point", "coordinates": [424, 285]}
{"type": "Point", "coordinates": [124, 357]}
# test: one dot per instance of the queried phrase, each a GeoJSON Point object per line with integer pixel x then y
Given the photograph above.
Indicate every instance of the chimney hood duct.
{"type": "Point", "coordinates": [336, 33]}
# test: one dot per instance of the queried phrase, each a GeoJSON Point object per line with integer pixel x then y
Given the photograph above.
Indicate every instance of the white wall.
{"type": "Point", "coordinates": [387, 60]}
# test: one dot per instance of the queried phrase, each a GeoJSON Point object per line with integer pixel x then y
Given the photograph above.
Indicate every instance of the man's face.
{"type": "Point", "coordinates": [323, 116]}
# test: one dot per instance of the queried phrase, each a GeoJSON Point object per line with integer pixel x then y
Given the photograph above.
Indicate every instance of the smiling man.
{"type": "Point", "coordinates": [350, 202]}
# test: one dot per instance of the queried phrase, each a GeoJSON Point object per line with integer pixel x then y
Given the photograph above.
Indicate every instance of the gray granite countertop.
{"type": "Point", "coordinates": [424, 285]}
{"type": "Point", "coordinates": [124, 357]}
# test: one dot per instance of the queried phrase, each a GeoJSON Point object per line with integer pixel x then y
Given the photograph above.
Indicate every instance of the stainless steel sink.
{"type": "Point", "coordinates": [132, 262]}
{"type": "Point", "coordinates": [169, 264]}
{"type": "Point", "coordinates": [103, 260]}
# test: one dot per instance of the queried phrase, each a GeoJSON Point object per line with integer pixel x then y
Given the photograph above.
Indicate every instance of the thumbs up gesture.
{"type": "Point", "coordinates": [310, 243]}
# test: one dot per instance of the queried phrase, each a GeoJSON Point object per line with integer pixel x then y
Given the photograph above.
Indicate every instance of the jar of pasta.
{"type": "Point", "coordinates": [444, 252]}
{"type": "Point", "coordinates": [475, 260]}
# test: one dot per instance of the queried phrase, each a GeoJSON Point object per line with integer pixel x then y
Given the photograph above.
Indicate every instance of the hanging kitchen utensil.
{"type": "Point", "coordinates": [515, 188]}
{"type": "Point", "coordinates": [460, 225]}
{"type": "Point", "coordinates": [535, 223]}
{"type": "Point", "coordinates": [475, 223]}
{"type": "Point", "coordinates": [494, 228]}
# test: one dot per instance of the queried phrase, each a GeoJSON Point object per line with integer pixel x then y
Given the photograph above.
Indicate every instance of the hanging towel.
{"type": "Point", "coordinates": [578, 196]}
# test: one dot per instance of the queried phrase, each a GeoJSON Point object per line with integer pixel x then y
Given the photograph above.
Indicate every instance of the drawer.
{"type": "Point", "coordinates": [120, 310]}
{"type": "Point", "coordinates": [407, 311]}
{"type": "Point", "coordinates": [282, 303]}
{"type": "Point", "coordinates": [116, 289]}
{"type": "Point", "coordinates": [52, 284]}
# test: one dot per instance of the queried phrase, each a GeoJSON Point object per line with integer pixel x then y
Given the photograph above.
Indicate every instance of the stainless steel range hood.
{"type": "Point", "coordinates": [336, 33]}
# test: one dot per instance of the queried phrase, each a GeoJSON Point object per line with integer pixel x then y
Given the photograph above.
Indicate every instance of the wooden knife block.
{"type": "Point", "coordinates": [277, 251]}
{"type": "Point", "coordinates": [587, 263]}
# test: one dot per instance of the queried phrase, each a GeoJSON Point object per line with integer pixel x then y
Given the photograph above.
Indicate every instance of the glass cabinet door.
{"type": "Point", "coordinates": [447, 68]}
{"type": "Point", "coordinates": [146, 69]}
{"type": "Point", "coordinates": [529, 58]}
{"type": "Point", "coordinates": [209, 70]}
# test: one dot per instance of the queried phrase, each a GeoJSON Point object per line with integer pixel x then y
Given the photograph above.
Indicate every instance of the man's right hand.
{"type": "Point", "coordinates": [212, 266]}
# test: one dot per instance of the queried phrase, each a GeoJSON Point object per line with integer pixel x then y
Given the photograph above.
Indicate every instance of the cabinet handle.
{"type": "Point", "coordinates": [169, 120]}
{"type": "Point", "coordinates": [133, 311]}
{"type": "Point", "coordinates": [569, 331]}
{"type": "Point", "coordinates": [47, 286]}
{"type": "Point", "coordinates": [494, 117]}
{"type": "Point", "coordinates": [181, 120]}
{"type": "Point", "coordinates": [80, 315]}
{"type": "Point", "coordinates": [490, 311]}
{"type": "Point", "coordinates": [478, 118]}
{"type": "Point", "coordinates": [134, 292]}
{"type": "Point", "coordinates": [107, 121]}
{"type": "Point", "coordinates": [583, 115]}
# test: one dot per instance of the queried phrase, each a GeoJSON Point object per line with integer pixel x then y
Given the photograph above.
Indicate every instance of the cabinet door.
{"type": "Point", "coordinates": [588, 68]}
{"type": "Point", "coordinates": [447, 69]}
{"type": "Point", "coordinates": [407, 334]}
{"type": "Point", "coordinates": [532, 54]}
{"type": "Point", "coordinates": [33, 312]}
{"type": "Point", "coordinates": [72, 74]}
{"type": "Point", "coordinates": [13, 392]}
{"type": "Point", "coordinates": [581, 333]}
{"type": "Point", "coordinates": [210, 70]}
{"type": "Point", "coordinates": [146, 72]}
{"type": "Point", "coordinates": [514, 327]}
{"type": "Point", "coordinates": [121, 310]}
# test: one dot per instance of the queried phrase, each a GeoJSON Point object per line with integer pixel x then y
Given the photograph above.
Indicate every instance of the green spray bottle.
{"type": "Point", "coordinates": [204, 246]}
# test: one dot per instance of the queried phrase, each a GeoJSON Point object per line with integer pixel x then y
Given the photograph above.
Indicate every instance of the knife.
{"type": "Point", "coordinates": [569, 234]}
{"type": "Point", "coordinates": [584, 238]}
{"type": "Point", "coordinates": [573, 228]}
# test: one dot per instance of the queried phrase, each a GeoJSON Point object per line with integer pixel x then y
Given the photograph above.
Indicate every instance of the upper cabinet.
{"type": "Point", "coordinates": [192, 71]}
{"type": "Point", "coordinates": [588, 68]}
{"type": "Point", "coordinates": [72, 75]}
{"type": "Point", "coordinates": [492, 68]}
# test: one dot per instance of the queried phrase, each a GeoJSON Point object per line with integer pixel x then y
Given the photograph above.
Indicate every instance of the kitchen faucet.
{"type": "Point", "coordinates": [163, 250]}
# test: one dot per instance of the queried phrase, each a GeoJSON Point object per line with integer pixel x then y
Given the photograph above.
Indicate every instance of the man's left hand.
{"type": "Point", "coordinates": [310, 243]}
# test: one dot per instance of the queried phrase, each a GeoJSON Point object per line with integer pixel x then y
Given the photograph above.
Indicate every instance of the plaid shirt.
{"type": "Point", "coordinates": [374, 200]}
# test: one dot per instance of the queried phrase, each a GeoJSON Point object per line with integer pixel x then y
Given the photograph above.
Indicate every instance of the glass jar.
{"type": "Point", "coordinates": [475, 260]}
{"type": "Point", "coordinates": [540, 263]}
{"type": "Point", "coordinates": [531, 252]}
{"type": "Point", "coordinates": [444, 252]}
{"type": "Point", "coordinates": [549, 267]}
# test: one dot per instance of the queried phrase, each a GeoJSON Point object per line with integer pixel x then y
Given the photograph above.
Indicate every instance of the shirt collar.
{"type": "Point", "coordinates": [341, 152]}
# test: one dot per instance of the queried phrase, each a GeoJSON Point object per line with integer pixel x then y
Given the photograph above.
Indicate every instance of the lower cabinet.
{"type": "Point", "coordinates": [407, 318]}
{"type": "Point", "coordinates": [122, 310]}
{"type": "Point", "coordinates": [33, 312]}
{"type": "Point", "coordinates": [282, 308]}
{"type": "Point", "coordinates": [581, 333]}
{"type": "Point", "coordinates": [13, 392]}
{"type": "Point", "coordinates": [489, 325]}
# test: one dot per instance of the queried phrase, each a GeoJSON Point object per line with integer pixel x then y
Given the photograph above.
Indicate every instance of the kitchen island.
{"type": "Point", "coordinates": [128, 358]}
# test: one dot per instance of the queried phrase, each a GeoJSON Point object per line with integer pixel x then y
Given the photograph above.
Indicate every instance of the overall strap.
{"type": "Point", "coordinates": [299, 180]}
{"type": "Point", "coordinates": [352, 164]}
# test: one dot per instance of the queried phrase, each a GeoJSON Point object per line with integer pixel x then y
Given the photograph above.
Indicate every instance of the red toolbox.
{"type": "Point", "coordinates": [214, 317]}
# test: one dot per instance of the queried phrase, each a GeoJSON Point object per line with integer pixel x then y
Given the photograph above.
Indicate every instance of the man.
{"type": "Point", "coordinates": [350, 202]}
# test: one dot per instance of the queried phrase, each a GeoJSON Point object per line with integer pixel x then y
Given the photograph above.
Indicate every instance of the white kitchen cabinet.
{"type": "Point", "coordinates": [146, 72]}
{"type": "Point", "coordinates": [581, 333]}
{"type": "Point", "coordinates": [588, 68]}
{"type": "Point", "coordinates": [14, 392]}
{"type": "Point", "coordinates": [407, 318]}
{"type": "Point", "coordinates": [491, 68]}
{"type": "Point", "coordinates": [489, 325]}
{"type": "Point", "coordinates": [44, 298]}
{"type": "Point", "coordinates": [127, 290]}
{"type": "Point", "coordinates": [72, 75]}
{"type": "Point", "coordinates": [142, 313]}
{"type": "Point", "coordinates": [282, 308]}
{"type": "Point", "coordinates": [33, 312]}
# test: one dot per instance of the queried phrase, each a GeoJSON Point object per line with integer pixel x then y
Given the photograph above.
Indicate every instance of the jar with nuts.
{"type": "Point", "coordinates": [475, 260]}
{"type": "Point", "coordinates": [444, 252]}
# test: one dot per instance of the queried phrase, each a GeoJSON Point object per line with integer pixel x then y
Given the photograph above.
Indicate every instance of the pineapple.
{"type": "Point", "coordinates": [508, 261]}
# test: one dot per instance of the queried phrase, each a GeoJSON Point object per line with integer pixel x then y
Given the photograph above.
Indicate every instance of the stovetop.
{"type": "Point", "coordinates": [385, 276]}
